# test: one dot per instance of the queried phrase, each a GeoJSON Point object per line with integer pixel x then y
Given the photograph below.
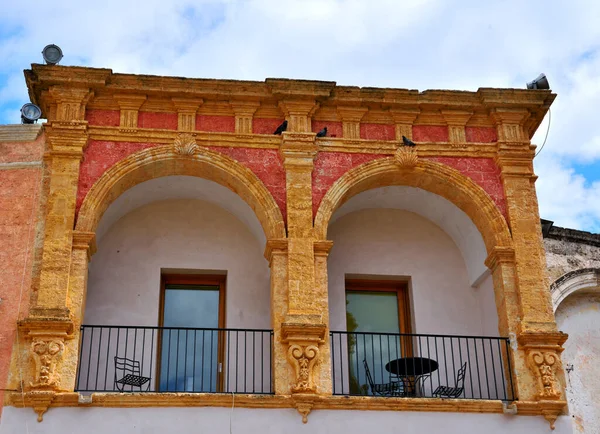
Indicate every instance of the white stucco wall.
{"type": "Point", "coordinates": [267, 421]}
{"type": "Point", "coordinates": [397, 244]}
{"type": "Point", "coordinates": [179, 235]}
{"type": "Point", "coordinates": [578, 315]}
{"type": "Point", "coordinates": [124, 276]}
{"type": "Point", "coordinates": [391, 242]}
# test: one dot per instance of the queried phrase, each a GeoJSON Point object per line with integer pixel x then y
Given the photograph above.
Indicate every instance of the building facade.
{"type": "Point", "coordinates": [192, 269]}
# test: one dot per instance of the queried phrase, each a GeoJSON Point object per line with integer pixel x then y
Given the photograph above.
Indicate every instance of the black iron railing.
{"type": "Point", "coordinates": [165, 359]}
{"type": "Point", "coordinates": [421, 365]}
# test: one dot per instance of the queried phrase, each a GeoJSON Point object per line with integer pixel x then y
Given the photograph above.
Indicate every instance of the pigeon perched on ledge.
{"type": "Point", "coordinates": [281, 128]}
{"type": "Point", "coordinates": [408, 142]}
{"type": "Point", "coordinates": [322, 133]}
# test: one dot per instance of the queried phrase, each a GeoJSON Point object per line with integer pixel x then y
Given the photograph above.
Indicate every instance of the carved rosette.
{"type": "Point", "coordinates": [544, 365]}
{"type": "Point", "coordinates": [185, 144]}
{"type": "Point", "coordinates": [303, 359]}
{"type": "Point", "coordinates": [46, 354]}
{"type": "Point", "coordinates": [406, 157]}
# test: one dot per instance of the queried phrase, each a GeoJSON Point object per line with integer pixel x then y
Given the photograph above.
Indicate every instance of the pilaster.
{"type": "Point", "coordinates": [304, 328]}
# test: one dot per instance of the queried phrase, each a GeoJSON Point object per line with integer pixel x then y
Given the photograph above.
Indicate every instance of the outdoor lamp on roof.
{"type": "Point", "coordinates": [541, 82]}
{"type": "Point", "coordinates": [30, 113]}
{"type": "Point", "coordinates": [52, 54]}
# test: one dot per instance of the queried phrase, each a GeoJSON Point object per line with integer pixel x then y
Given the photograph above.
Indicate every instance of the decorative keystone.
{"type": "Point", "coordinates": [406, 157]}
{"type": "Point", "coordinates": [185, 144]}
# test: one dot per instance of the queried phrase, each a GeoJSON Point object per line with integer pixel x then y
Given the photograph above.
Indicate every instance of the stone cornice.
{"type": "Point", "coordinates": [104, 83]}
{"type": "Point", "coordinates": [20, 132]}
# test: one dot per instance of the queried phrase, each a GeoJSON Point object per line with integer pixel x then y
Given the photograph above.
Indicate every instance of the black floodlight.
{"type": "Point", "coordinates": [52, 54]}
{"type": "Point", "coordinates": [30, 113]}
{"type": "Point", "coordinates": [541, 82]}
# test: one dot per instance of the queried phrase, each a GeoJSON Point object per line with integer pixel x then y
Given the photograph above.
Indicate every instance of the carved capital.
{"type": "Point", "coordinates": [85, 241]}
{"type": "Point", "coordinates": [404, 119]}
{"type": "Point", "coordinates": [185, 144]}
{"type": "Point", "coordinates": [510, 124]}
{"type": "Point", "coordinates": [500, 255]}
{"type": "Point", "coordinates": [406, 157]}
{"type": "Point", "coordinates": [275, 247]}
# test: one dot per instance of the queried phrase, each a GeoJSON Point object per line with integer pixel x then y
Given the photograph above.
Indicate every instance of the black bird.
{"type": "Point", "coordinates": [281, 128]}
{"type": "Point", "coordinates": [408, 142]}
{"type": "Point", "coordinates": [322, 133]}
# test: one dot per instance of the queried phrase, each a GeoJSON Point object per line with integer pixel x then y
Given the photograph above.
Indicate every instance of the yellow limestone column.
{"type": "Point", "coordinates": [50, 324]}
{"type": "Point", "coordinates": [540, 344]}
{"type": "Point", "coordinates": [304, 329]}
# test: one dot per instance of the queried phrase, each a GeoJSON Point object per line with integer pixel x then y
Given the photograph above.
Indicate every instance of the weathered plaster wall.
{"type": "Point", "coordinates": [268, 421]}
{"type": "Point", "coordinates": [20, 183]}
{"type": "Point", "coordinates": [578, 315]}
{"type": "Point", "coordinates": [563, 256]}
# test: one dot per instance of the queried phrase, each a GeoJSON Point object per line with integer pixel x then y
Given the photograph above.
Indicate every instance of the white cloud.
{"type": "Point", "coordinates": [388, 43]}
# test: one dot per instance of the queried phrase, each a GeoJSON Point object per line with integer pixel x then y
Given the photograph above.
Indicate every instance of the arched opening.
{"type": "Point", "coordinates": [412, 304]}
{"type": "Point", "coordinates": [178, 292]}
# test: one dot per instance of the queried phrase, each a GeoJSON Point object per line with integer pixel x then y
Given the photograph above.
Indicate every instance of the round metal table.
{"type": "Point", "coordinates": [411, 366]}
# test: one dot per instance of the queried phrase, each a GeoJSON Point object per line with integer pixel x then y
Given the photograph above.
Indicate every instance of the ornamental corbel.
{"type": "Point", "coordinates": [46, 350]}
{"type": "Point", "coordinates": [303, 353]}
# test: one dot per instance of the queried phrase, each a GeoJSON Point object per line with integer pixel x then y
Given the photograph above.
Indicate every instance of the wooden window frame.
{"type": "Point", "coordinates": [398, 286]}
{"type": "Point", "coordinates": [196, 280]}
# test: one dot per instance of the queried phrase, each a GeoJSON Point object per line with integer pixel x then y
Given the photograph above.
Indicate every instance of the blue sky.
{"type": "Point", "coordinates": [416, 44]}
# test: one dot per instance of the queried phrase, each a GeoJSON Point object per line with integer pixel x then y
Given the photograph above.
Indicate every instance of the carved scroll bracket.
{"type": "Point", "coordinates": [46, 349]}
{"type": "Point", "coordinates": [542, 352]}
{"type": "Point", "coordinates": [303, 353]}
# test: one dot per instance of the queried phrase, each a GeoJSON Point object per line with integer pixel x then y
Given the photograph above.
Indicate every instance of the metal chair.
{"type": "Point", "coordinates": [457, 390]}
{"type": "Point", "coordinates": [131, 374]}
{"type": "Point", "coordinates": [393, 388]}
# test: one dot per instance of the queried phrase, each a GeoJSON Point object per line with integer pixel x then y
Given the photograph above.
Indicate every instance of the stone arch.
{"type": "Point", "coordinates": [584, 279]}
{"type": "Point", "coordinates": [165, 161]}
{"type": "Point", "coordinates": [427, 175]}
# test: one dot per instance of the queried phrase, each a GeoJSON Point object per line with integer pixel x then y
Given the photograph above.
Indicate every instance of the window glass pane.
{"type": "Point", "coordinates": [189, 358]}
{"type": "Point", "coordinates": [375, 312]}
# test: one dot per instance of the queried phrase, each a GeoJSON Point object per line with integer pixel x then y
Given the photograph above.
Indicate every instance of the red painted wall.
{"type": "Point", "coordinates": [481, 134]}
{"type": "Point", "coordinates": [334, 129]}
{"type": "Point", "coordinates": [430, 133]}
{"type": "Point", "coordinates": [377, 132]}
{"type": "Point", "coordinates": [163, 121]}
{"type": "Point", "coordinates": [265, 126]}
{"type": "Point", "coordinates": [19, 206]}
{"type": "Point", "coordinates": [221, 124]}
{"type": "Point", "coordinates": [329, 166]}
{"type": "Point", "coordinates": [108, 118]}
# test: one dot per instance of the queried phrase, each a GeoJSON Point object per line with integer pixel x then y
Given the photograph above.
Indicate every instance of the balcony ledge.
{"type": "Point", "coordinates": [41, 401]}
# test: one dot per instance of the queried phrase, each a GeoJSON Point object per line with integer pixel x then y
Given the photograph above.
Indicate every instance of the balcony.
{"type": "Point", "coordinates": [421, 366]}
{"type": "Point", "coordinates": [168, 359]}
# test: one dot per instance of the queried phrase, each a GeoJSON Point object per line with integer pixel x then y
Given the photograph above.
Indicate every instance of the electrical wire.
{"type": "Point", "coordinates": [547, 131]}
